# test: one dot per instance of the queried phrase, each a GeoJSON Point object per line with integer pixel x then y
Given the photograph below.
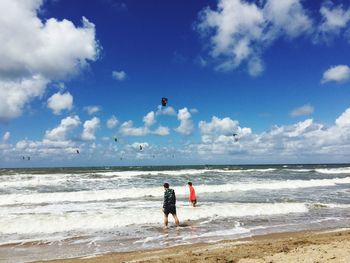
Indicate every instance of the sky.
{"type": "Point", "coordinates": [88, 76]}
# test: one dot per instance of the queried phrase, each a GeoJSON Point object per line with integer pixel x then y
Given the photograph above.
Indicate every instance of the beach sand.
{"type": "Point", "coordinates": [305, 246]}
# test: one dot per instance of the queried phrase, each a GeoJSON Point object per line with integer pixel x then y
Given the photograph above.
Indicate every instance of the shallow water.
{"type": "Point", "coordinates": [70, 212]}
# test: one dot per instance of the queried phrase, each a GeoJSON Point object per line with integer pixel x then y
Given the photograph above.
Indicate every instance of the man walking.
{"type": "Point", "coordinates": [169, 205]}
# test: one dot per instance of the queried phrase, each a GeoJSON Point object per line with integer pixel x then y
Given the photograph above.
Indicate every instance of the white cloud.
{"type": "Point", "coordinates": [186, 124]}
{"type": "Point", "coordinates": [6, 136]}
{"type": "Point", "coordinates": [119, 75]}
{"type": "Point", "coordinates": [127, 129]}
{"type": "Point", "coordinates": [288, 17]}
{"type": "Point", "coordinates": [45, 149]}
{"type": "Point", "coordinates": [239, 31]}
{"type": "Point", "coordinates": [224, 126]}
{"type": "Point", "coordinates": [221, 130]}
{"type": "Point", "coordinates": [112, 122]}
{"type": "Point", "coordinates": [35, 52]}
{"type": "Point", "coordinates": [343, 119]}
{"type": "Point", "coordinates": [304, 141]}
{"type": "Point", "coordinates": [161, 131]}
{"type": "Point", "coordinates": [92, 109]}
{"type": "Point", "coordinates": [334, 19]}
{"type": "Point", "coordinates": [59, 102]}
{"type": "Point", "coordinates": [136, 145]}
{"type": "Point", "coordinates": [299, 142]}
{"type": "Point", "coordinates": [303, 110]}
{"type": "Point", "coordinates": [166, 111]}
{"type": "Point", "coordinates": [60, 133]}
{"type": "Point", "coordinates": [149, 119]}
{"type": "Point", "coordinates": [338, 73]}
{"type": "Point", "coordinates": [14, 95]}
{"type": "Point", "coordinates": [90, 128]}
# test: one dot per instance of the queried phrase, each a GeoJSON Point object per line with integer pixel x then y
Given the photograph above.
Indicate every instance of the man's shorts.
{"type": "Point", "coordinates": [170, 210]}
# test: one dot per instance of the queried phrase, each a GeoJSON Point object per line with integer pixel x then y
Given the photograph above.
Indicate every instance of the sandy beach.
{"type": "Point", "coordinates": [305, 246]}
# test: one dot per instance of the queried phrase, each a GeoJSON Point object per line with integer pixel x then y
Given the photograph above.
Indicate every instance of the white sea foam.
{"type": "Point", "coordinates": [115, 194]}
{"type": "Point", "coordinates": [336, 205]}
{"type": "Point", "coordinates": [34, 180]}
{"type": "Point", "coordinates": [126, 174]}
{"type": "Point", "coordinates": [107, 219]}
{"type": "Point", "coordinates": [340, 170]}
{"type": "Point", "coordinates": [299, 170]}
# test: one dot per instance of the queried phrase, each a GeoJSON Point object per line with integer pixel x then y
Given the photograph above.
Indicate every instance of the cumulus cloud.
{"type": "Point", "coordinates": [15, 94]}
{"type": "Point", "coordinates": [221, 130]}
{"type": "Point", "coordinates": [53, 150]}
{"type": "Point", "coordinates": [112, 122]}
{"type": "Point", "coordinates": [287, 18]}
{"type": "Point", "coordinates": [92, 109]}
{"type": "Point", "coordinates": [186, 124]}
{"type": "Point", "coordinates": [136, 145]}
{"type": "Point", "coordinates": [149, 119]}
{"type": "Point", "coordinates": [59, 102]}
{"type": "Point", "coordinates": [338, 73]}
{"type": "Point", "coordinates": [224, 126]}
{"type": "Point", "coordinates": [239, 31]}
{"type": "Point", "coordinates": [334, 20]}
{"type": "Point", "coordinates": [303, 110]}
{"type": "Point", "coordinates": [34, 53]}
{"type": "Point", "coordinates": [60, 133]}
{"type": "Point", "coordinates": [90, 128]}
{"type": "Point", "coordinates": [303, 141]}
{"type": "Point", "coordinates": [344, 119]}
{"type": "Point", "coordinates": [299, 142]}
{"type": "Point", "coordinates": [127, 129]}
{"type": "Point", "coordinates": [161, 131]}
{"type": "Point", "coordinates": [6, 136]}
{"type": "Point", "coordinates": [119, 75]}
{"type": "Point", "coordinates": [166, 111]}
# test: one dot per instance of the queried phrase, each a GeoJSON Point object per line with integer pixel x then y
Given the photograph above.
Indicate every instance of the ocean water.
{"type": "Point", "coordinates": [71, 212]}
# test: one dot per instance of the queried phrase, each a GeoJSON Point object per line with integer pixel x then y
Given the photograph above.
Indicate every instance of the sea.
{"type": "Point", "coordinates": [53, 213]}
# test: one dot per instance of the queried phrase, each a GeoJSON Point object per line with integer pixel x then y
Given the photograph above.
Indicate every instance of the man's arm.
{"type": "Point", "coordinates": [165, 201]}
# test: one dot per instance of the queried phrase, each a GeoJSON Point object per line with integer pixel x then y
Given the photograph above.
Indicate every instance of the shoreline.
{"type": "Point", "coordinates": [329, 245]}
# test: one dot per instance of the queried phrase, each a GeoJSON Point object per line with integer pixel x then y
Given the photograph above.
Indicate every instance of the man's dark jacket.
{"type": "Point", "coordinates": [169, 198]}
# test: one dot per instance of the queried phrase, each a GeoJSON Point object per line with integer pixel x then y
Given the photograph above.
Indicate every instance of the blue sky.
{"type": "Point", "coordinates": [274, 72]}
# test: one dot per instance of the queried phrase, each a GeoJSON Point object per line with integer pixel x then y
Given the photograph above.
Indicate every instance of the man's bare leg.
{"type": "Point", "coordinates": [165, 220]}
{"type": "Point", "coordinates": [177, 223]}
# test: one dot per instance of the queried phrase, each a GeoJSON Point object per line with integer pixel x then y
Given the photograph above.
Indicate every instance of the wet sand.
{"type": "Point", "coordinates": [305, 246]}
